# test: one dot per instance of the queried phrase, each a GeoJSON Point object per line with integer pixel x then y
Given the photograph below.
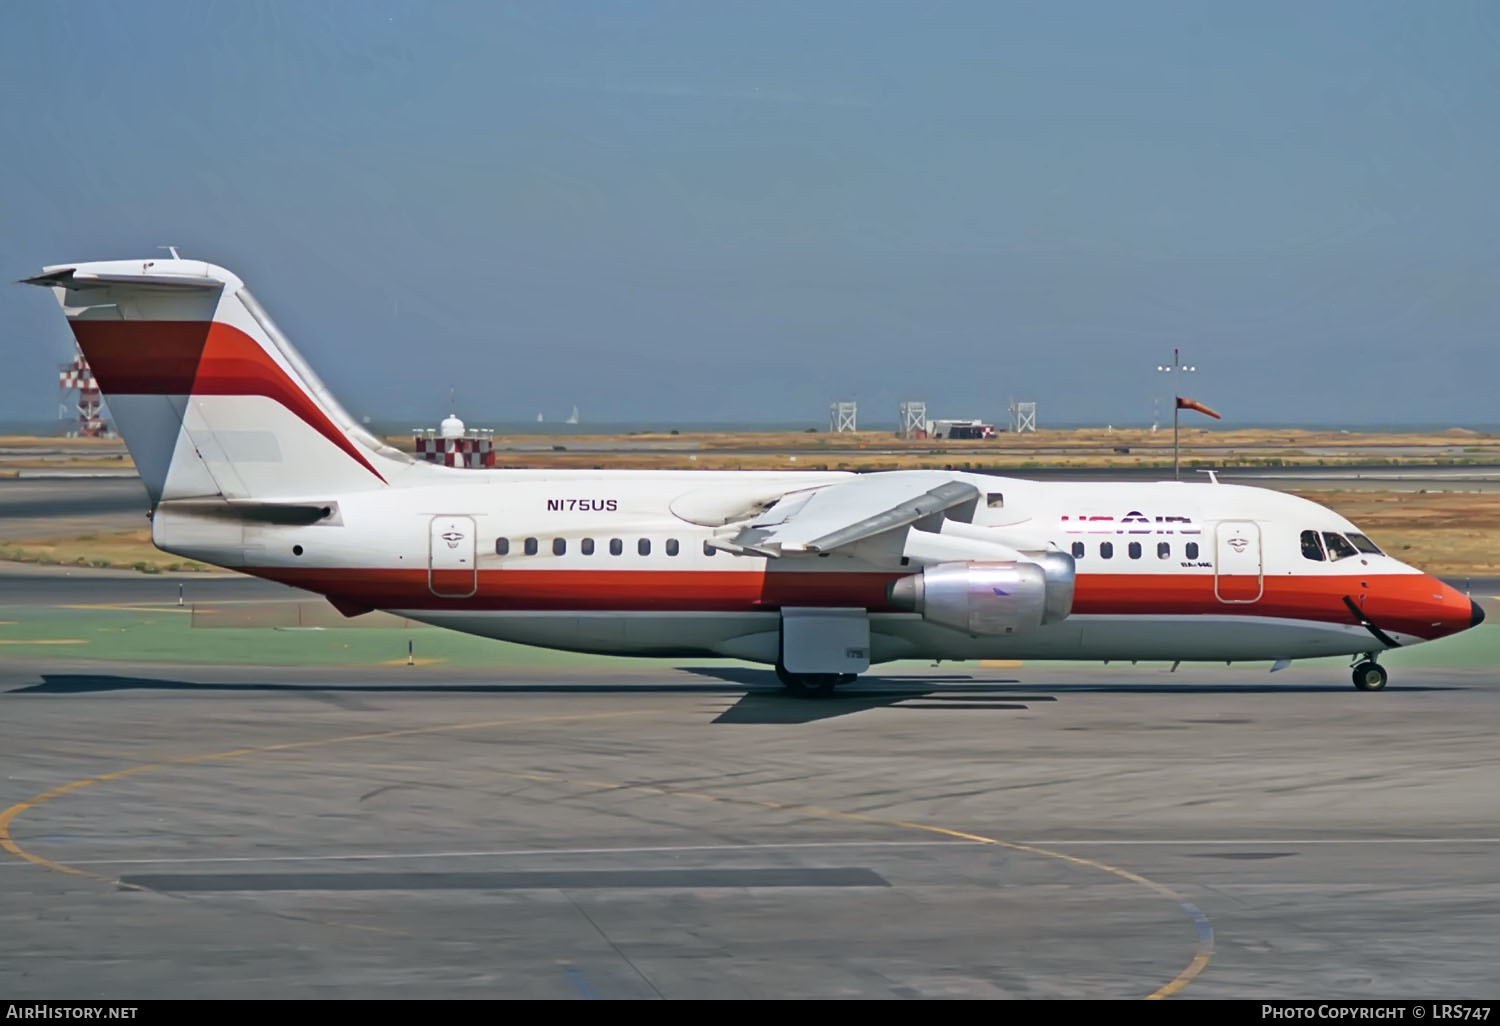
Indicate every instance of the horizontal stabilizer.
{"type": "Point", "coordinates": [73, 278]}
{"type": "Point", "coordinates": [285, 513]}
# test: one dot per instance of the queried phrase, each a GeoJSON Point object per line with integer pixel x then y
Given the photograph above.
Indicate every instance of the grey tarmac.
{"type": "Point", "coordinates": [244, 832]}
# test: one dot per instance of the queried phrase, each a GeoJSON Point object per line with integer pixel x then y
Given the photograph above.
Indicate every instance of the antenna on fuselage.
{"type": "Point", "coordinates": [1213, 475]}
{"type": "Point", "coordinates": [172, 250]}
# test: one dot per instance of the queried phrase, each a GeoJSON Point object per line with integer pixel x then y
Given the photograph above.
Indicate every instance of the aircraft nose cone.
{"type": "Point", "coordinates": [1476, 613]}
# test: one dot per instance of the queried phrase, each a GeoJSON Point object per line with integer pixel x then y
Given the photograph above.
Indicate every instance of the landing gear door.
{"type": "Point", "coordinates": [1238, 571]}
{"type": "Point", "coordinates": [450, 557]}
{"type": "Point", "coordinates": [816, 640]}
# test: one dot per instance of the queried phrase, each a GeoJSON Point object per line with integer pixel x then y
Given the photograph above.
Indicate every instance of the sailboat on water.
{"type": "Point", "coordinates": [573, 418]}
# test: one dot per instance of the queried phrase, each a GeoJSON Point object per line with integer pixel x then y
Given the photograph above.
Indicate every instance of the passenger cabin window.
{"type": "Point", "coordinates": [1135, 550]}
{"type": "Point", "coordinates": [671, 546]}
{"type": "Point", "coordinates": [1078, 550]}
{"type": "Point", "coordinates": [616, 546]}
{"type": "Point", "coordinates": [1106, 550]}
{"type": "Point", "coordinates": [1192, 550]}
{"type": "Point", "coordinates": [502, 546]}
{"type": "Point", "coordinates": [1338, 546]}
{"type": "Point", "coordinates": [1363, 544]}
{"type": "Point", "coordinates": [587, 546]}
{"type": "Point", "coordinates": [559, 546]}
{"type": "Point", "coordinates": [1163, 550]}
{"type": "Point", "coordinates": [995, 500]}
{"type": "Point", "coordinates": [708, 550]}
{"type": "Point", "coordinates": [643, 546]}
{"type": "Point", "coordinates": [530, 546]}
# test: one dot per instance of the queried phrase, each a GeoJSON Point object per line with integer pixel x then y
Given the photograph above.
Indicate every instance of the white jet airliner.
{"type": "Point", "coordinates": [251, 465]}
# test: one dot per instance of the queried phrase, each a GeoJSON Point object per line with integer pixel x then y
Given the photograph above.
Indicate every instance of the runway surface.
{"type": "Point", "coordinates": [240, 832]}
{"type": "Point", "coordinates": [61, 507]}
{"type": "Point", "coordinates": [31, 584]}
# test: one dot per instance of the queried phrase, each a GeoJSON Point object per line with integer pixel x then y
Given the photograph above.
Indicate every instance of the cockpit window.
{"type": "Point", "coordinates": [1363, 544]}
{"type": "Point", "coordinates": [1312, 548]}
{"type": "Point", "coordinates": [1338, 546]}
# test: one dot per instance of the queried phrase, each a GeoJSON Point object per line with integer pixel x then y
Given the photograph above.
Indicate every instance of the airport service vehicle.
{"type": "Point", "coordinates": [251, 465]}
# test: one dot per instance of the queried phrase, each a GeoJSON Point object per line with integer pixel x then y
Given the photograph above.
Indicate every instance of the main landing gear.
{"type": "Point", "coordinates": [1369, 675]}
{"type": "Point", "coordinates": [811, 685]}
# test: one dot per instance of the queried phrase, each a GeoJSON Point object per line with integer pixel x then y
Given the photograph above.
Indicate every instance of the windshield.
{"type": "Point", "coordinates": [1363, 544]}
{"type": "Point", "coordinates": [1338, 548]}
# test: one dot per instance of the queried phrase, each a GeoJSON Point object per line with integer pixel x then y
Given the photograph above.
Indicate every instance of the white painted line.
{"type": "Point", "coordinates": [671, 849]}
{"type": "Point", "coordinates": [515, 852]}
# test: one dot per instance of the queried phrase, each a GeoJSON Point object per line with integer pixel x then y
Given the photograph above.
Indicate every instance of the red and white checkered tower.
{"type": "Point", "coordinates": [76, 376]}
{"type": "Point", "coordinates": [453, 445]}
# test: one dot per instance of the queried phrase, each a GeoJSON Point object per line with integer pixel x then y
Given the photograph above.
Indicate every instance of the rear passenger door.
{"type": "Point", "coordinates": [450, 557]}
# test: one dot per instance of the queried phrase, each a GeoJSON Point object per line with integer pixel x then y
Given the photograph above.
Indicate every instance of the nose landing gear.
{"type": "Point", "coordinates": [1369, 675]}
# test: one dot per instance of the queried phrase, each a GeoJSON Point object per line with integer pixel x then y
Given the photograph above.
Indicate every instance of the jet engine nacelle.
{"type": "Point", "coordinates": [986, 599]}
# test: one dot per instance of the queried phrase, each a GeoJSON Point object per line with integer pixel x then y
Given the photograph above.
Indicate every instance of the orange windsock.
{"type": "Point", "coordinates": [1190, 404]}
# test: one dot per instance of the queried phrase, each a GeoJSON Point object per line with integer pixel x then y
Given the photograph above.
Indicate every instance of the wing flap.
{"type": "Point", "coordinates": [834, 516]}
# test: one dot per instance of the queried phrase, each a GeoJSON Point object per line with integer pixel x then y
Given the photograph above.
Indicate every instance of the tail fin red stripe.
{"type": "Point", "coordinates": [143, 357]}
{"type": "Point", "coordinates": [196, 358]}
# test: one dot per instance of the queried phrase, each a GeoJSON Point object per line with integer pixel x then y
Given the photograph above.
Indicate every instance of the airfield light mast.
{"type": "Point", "coordinates": [1177, 367]}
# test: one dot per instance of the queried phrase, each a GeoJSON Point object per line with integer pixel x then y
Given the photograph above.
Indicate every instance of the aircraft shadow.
{"type": "Point", "coordinates": [761, 698]}
{"type": "Point", "coordinates": [762, 708]}
{"type": "Point", "coordinates": [770, 702]}
{"type": "Point", "coordinates": [92, 683]}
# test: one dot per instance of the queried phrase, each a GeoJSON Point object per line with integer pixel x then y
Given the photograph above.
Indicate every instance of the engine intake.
{"type": "Point", "coordinates": [986, 599]}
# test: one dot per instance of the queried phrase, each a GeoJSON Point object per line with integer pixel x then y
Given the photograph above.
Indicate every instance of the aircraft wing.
{"type": "Point", "coordinates": [822, 519]}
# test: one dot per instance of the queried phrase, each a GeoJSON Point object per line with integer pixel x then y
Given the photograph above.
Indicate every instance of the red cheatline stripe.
{"type": "Point", "coordinates": [196, 358]}
{"type": "Point", "coordinates": [1407, 603]}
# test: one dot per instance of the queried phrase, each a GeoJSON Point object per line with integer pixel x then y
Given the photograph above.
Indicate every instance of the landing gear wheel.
{"type": "Point", "coordinates": [819, 685]}
{"type": "Point", "coordinates": [1369, 676]}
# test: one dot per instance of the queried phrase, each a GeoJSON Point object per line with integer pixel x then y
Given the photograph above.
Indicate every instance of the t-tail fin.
{"type": "Point", "coordinates": [211, 398]}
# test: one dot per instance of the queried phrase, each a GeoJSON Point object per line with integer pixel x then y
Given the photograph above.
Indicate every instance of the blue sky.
{"type": "Point", "coordinates": [711, 211]}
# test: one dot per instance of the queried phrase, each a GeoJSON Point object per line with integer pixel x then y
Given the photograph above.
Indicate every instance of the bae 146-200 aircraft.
{"type": "Point", "coordinates": [251, 465]}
